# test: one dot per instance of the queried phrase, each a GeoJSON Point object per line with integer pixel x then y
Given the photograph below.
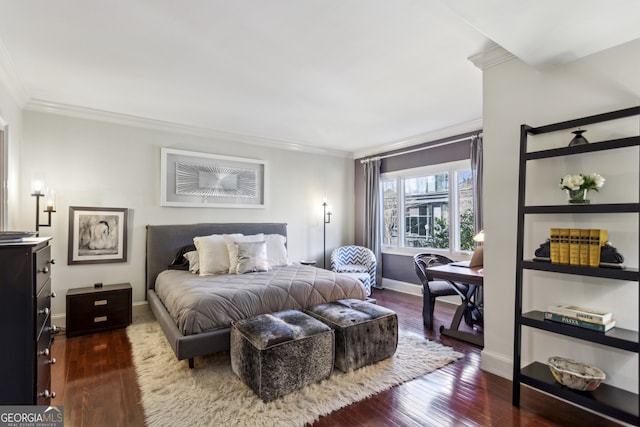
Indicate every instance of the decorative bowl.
{"type": "Point", "coordinates": [576, 375]}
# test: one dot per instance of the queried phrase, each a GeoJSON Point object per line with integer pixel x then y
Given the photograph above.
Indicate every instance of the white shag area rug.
{"type": "Point", "coordinates": [211, 394]}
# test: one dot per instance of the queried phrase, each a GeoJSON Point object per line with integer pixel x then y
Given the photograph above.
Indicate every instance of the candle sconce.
{"type": "Point", "coordinates": [49, 209]}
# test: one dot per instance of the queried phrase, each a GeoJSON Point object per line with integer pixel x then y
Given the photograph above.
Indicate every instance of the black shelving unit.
{"type": "Point", "coordinates": [606, 399]}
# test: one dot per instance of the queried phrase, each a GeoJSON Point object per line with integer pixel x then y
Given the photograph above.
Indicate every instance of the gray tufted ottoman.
{"type": "Point", "coordinates": [275, 354]}
{"type": "Point", "coordinates": [365, 333]}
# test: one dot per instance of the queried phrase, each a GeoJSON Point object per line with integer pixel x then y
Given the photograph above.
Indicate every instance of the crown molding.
{"type": "Point", "coordinates": [9, 78]}
{"type": "Point", "coordinates": [443, 133]}
{"type": "Point", "coordinates": [43, 106]}
{"type": "Point", "coordinates": [491, 56]}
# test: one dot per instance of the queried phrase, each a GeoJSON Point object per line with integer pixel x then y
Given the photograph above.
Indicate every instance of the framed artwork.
{"type": "Point", "coordinates": [97, 235]}
{"type": "Point", "coordinates": [192, 179]}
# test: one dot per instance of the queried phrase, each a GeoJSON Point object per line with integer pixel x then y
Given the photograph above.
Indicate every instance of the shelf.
{"type": "Point", "coordinates": [584, 121]}
{"type": "Point", "coordinates": [623, 339]}
{"type": "Point", "coordinates": [627, 273]}
{"type": "Point", "coordinates": [606, 399]}
{"type": "Point", "coordinates": [584, 209]}
{"type": "Point", "coordinates": [612, 144]}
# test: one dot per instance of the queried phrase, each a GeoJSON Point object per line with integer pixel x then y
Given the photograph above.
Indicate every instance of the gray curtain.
{"type": "Point", "coordinates": [372, 213]}
{"type": "Point", "coordinates": [476, 172]}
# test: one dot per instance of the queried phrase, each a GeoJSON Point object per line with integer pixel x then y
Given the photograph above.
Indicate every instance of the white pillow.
{"type": "Point", "coordinates": [232, 249]}
{"type": "Point", "coordinates": [276, 250]}
{"type": "Point", "coordinates": [194, 261]}
{"type": "Point", "coordinates": [213, 254]}
{"type": "Point", "coordinates": [252, 257]}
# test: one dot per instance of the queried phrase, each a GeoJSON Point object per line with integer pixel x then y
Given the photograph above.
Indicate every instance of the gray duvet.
{"type": "Point", "coordinates": [202, 304]}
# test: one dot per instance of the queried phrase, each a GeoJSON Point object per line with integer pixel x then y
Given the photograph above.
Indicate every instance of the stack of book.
{"type": "Point", "coordinates": [581, 317]}
{"type": "Point", "coordinates": [576, 246]}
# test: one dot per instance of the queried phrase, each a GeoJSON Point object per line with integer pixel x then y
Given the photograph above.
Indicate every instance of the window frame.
{"type": "Point", "coordinates": [452, 169]}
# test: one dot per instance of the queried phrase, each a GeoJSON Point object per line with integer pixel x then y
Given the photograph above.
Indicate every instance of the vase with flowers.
{"type": "Point", "coordinates": [578, 186]}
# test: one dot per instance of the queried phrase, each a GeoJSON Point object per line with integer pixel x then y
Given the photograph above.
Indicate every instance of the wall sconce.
{"type": "Point", "coordinates": [50, 197]}
{"type": "Point", "coordinates": [326, 209]}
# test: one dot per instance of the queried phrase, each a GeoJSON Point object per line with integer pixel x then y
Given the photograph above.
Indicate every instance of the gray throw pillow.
{"type": "Point", "coordinates": [252, 257]}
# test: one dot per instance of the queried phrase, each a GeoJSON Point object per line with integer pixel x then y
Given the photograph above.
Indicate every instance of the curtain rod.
{"type": "Point", "coordinates": [369, 159]}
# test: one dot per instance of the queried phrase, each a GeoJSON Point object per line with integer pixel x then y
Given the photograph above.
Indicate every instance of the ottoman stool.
{"type": "Point", "coordinates": [365, 333]}
{"type": "Point", "coordinates": [275, 354]}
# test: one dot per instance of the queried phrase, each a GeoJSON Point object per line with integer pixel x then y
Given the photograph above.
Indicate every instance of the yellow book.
{"type": "Point", "coordinates": [554, 245]}
{"type": "Point", "coordinates": [597, 238]}
{"type": "Point", "coordinates": [574, 246]}
{"type": "Point", "coordinates": [584, 247]}
{"type": "Point", "coordinates": [564, 245]}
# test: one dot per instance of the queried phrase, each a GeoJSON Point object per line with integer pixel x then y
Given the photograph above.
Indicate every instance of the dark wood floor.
{"type": "Point", "coordinates": [96, 383]}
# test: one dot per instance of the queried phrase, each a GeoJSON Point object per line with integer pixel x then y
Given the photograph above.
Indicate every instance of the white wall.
{"type": "Point", "coordinates": [100, 164]}
{"type": "Point", "coordinates": [515, 93]}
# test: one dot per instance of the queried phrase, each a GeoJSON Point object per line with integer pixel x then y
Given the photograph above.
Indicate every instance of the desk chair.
{"type": "Point", "coordinates": [433, 288]}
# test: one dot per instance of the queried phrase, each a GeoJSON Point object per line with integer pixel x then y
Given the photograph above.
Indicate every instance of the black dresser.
{"type": "Point", "coordinates": [25, 322]}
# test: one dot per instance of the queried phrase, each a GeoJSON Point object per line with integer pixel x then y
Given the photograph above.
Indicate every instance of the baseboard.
{"type": "Point", "coordinates": [497, 364]}
{"type": "Point", "coordinates": [404, 287]}
{"type": "Point", "coordinates": [137, 309]}
{"type": "Point", "coordinates": [413, 289]}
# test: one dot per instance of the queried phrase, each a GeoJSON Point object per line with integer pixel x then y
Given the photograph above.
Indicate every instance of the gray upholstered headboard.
{"type": "Point", "coordinates": [164, 241]}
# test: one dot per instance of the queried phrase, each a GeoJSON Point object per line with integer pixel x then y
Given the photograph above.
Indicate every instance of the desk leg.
{"type": "Point", "coordinates": [453, 331]}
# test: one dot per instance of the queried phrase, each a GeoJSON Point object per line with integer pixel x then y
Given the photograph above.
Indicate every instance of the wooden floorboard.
{"type": "Point", "coordinates": [95, 381]}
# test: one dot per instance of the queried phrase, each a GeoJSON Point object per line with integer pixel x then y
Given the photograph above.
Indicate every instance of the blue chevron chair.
{"type": "Point", "coordinates": [355, 259]}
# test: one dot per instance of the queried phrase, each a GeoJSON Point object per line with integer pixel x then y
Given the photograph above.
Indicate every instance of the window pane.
{"type": "Point", "coordinates": [426, 201]}
{"type": "Point", "coordinates": [465, 202]}
{"type": "Point", "coordinates": [390, 214]}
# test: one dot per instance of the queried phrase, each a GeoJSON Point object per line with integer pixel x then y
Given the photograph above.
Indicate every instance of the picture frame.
{"type": "Point", "coordinates": [97, 235]}
{"type": "Point", "coordinates": [194, 179]}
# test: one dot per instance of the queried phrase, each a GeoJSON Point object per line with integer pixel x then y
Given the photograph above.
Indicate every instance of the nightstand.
{"type": "Point", "coordinates": [93, 309]}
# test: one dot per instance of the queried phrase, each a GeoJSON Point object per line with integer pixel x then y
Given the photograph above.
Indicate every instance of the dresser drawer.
{"type": "Point", "coordinates": [98, 309]}
{"type": "Point", "coordinates": [43, 306]}
{"type": "Point", "coordinates": [43, 266]}
{"type": "Point", "coordinates": [44, 360]}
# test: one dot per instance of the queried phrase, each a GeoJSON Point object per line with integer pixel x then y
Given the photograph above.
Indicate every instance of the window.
{"type": "Point", "coordinates": [430, 207]}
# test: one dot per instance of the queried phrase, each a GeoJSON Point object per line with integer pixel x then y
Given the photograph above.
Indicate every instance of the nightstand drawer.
{"type": "Point", "coordinates": [98, 309]}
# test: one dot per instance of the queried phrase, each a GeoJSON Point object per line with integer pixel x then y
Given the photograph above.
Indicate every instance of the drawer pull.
{"type": "Point", "coordinates": [52, 294]}
{"type": "Point", "coordinates": [100, 319]}
{"type": "Point", "coordinates": [45, 270]}
{"type": "Point", "coordinates": [47, 394]}
{"type": "Point", "coordinates": [44, 311]}
{"type": "Point", "coordinates": [44, 352]}
{"type": "Point", "coordinates": [100, 302]}
{"type": "Point", "coordinates": [53, 361]}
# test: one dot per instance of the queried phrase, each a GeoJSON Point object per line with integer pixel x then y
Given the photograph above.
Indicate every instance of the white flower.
{"type": "Point", "coordinates": [571, 182]}
{"type": "Point", "coordinates": [599, 180]}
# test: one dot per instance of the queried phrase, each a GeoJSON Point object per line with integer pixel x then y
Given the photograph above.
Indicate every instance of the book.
{"type": "Point", "coordinates": [554, 245]}
{"type": "Point", "coordinates": [574, 246]}
{"type": "Point", "coordinates": [584, 247]}
{"type": "Point", "coordinates": [564, 245]}
{"type": "Point", "coordinates": [588, 314]}
{"type": "Point", "coordinates": [597, 238]}
{"type": "Point", "coordinates": [598, 327]}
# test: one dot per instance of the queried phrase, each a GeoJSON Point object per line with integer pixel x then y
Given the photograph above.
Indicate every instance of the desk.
{"type": "Point", "coordinates": [471, 276]}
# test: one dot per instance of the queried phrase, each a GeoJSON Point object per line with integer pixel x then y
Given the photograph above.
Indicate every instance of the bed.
{"type": "Point", "coordinates": [223, 298]}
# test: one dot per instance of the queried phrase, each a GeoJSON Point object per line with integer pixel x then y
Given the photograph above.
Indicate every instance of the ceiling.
{"type": "Point", "coordinates": [347, 75]}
